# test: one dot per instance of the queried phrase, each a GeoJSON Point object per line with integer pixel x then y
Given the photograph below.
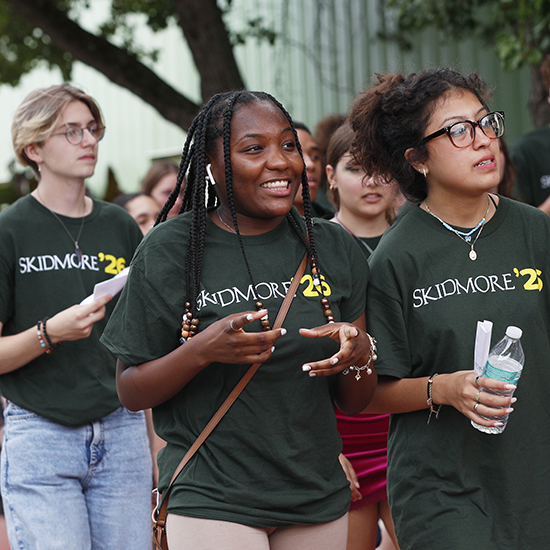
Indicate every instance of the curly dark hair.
{"type": "Point", "coordinates": [392, 116]}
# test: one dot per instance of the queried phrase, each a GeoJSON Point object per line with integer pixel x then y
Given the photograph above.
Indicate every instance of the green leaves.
{"type": "Point", "coordinates": [24, 47]}
{"type": "Point", "coordinates": [518, 29]}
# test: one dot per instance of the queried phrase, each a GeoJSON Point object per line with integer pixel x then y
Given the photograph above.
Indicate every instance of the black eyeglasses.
{"type": "Point", "coordinates": [463, 133]}
{"type": "Point", "coordinates": [75, 134]}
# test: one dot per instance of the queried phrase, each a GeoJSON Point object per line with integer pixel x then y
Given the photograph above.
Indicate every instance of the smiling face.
{"type": "Point", "coordinates": [470, 171]}
{"type": "Point", "coordinates": [266, 167]}
{"type": "Point", "coordinates": [359, 195]}
{"type": "Point", "coordinates": [59, 159]}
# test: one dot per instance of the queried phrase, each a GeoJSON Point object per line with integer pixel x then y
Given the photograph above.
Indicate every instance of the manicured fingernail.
{"type": "Point", "coordinates": [509, 410]}
{"type": "Point", "coordinates": [514, 399]}
{"type": "Point", "coordinates": [334, 360]}
{"type": "Point", "coordinates": [499, 424]}
{"type": "Point", "coordinates": [283, 331]}
{"type": "Point", "coordinates": [272, 349]}
{"type": "Point", "coordinates": [510, 387]}
{"type": "Point", "coordinates": [262, 311]}
{"type": "Point", "coordinates": [305, 368]}
{"type": "Point", "coordinates": [249, 317]}
{"type": "Point", "coordinates": [312, 374]}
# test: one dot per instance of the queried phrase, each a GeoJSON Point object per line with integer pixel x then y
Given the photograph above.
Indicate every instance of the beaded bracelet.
{"type": "Point", "coordinates": [367, 365]}
{"type": "Point", "coordinates": [430, 400]}
{"type": "Point", "coordinates": [43, 344]}
{"type": "Point", "coordinates": [52, 346]}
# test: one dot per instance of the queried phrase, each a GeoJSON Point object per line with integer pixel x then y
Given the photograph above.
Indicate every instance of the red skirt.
{"type": "Point", "coordinates": [365, 440]}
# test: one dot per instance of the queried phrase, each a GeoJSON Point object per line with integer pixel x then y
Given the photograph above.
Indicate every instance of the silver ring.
{"type": "Point", "coordinates": [233, 328]}
{"type": "Point", "coordinates": [477, 379]}
{"type": "Point", "coordinates": [476, 406]}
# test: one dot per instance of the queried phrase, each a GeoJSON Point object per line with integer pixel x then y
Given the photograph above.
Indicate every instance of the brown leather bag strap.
{"type": "Point", "coordinates": [285, 306]}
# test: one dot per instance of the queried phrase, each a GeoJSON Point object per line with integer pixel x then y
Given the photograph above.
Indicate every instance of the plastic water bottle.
{"type": "Point", "coordinates": [505, 362]}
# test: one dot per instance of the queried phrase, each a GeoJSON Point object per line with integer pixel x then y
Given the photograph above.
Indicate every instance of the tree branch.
{"type": "Point", "coordinates": [115, 63]}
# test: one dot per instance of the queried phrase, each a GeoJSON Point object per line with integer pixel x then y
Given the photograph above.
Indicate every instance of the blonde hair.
{"type": "Point", "coordinates": [35, 119]}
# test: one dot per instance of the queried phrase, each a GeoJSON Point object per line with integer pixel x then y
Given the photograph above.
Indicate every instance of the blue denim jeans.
{"type": "Point", "coordinates": [85, 488]}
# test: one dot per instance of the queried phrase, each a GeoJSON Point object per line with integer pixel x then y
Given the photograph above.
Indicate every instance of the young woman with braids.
{"type": "Point", "coordinates": [268, 477]}
{"type": "Point", "coordinates": [461, 255]}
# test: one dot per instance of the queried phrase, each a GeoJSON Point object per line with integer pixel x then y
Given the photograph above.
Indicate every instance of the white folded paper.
{"type": "Point", "coordinates": [482, 346]}
{"type": "Point", "coordinates": [110, 286]}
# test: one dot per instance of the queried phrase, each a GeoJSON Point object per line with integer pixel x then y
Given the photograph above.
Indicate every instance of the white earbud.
{"type": "Point", "coordinates": [210, 176]}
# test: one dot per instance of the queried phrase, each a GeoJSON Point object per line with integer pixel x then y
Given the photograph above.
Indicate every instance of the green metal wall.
{"type": "Point", "coordinates": [328, 51]}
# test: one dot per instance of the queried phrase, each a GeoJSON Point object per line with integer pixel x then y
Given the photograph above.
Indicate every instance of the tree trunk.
{"type": "Point", "coordinates": [540, 108]}
{"type": "Point", "coordinates": [207, 37]}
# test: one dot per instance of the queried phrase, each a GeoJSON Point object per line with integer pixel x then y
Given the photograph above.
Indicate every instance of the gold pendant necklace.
{"type": "Point", "coordinates": [466, 237]}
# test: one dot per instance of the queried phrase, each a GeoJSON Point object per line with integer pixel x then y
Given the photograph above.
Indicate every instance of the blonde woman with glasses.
{"type": "Point", "coordinates": [74, 461]}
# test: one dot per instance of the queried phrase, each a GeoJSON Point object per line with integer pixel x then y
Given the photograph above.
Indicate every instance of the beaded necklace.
{"type": "Point", "coordinates": [465, 236]}
{"type": "Point", "coordinates": [190, 324]}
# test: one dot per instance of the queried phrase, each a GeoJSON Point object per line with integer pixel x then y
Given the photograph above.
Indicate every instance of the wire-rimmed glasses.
{"type": "Point", "coordinates": [75, 134]}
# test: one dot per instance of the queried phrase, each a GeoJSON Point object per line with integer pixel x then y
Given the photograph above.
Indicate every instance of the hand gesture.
{"type": "Point", "coordinates": [355, 348]}
{"type": "Point", "coordinates": [229, 342]}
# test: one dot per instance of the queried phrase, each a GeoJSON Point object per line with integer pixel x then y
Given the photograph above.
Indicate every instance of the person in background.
{"type": "Point", "coordinates": [159, 183]}
{"type": "Point", "coordinates": [322, 134]}
{"type": "Point", "coordinates": [143, 208]}
{"type": "Point", "coordinates": [365, 208]}
{"type": "Point", "coordinates": [507, 172]}
{"type": "Point", "coordinates": [530, 155]}
{"type": "Point", "coordinates": [268, 476]}
{"type": "Point", "coordinates": [76, 465]}
{"type": "Point", "coordinates": [460, 256]}
{"type": "Point", "coordinates": [314, 169]}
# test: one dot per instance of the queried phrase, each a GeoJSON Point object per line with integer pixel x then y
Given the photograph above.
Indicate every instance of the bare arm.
{"type": "Point", "coordinates": [156, 443]}
{"type": "Point", "coordinates": [458, 389]}
{"type": "Point", "coordinates": [545, 206]}
{"type": "Point", "coordinates": [355, 349]}
{"type": "Point", "coordinates": [73, 323]}
{"type": "Point", "coordinates": [154, 382]}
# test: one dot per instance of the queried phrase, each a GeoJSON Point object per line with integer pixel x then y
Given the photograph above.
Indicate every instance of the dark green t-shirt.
{"type": "Point", "coordinates": [530, 154]}
{"type": "Point", "coordinates": [368, 244]}
{"type": "Point", "coordinates": [451, 486]}
{"type": "Point", "coordinates": [273, 459]}
{"type": "Point", "coordinates": [40, 276]}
